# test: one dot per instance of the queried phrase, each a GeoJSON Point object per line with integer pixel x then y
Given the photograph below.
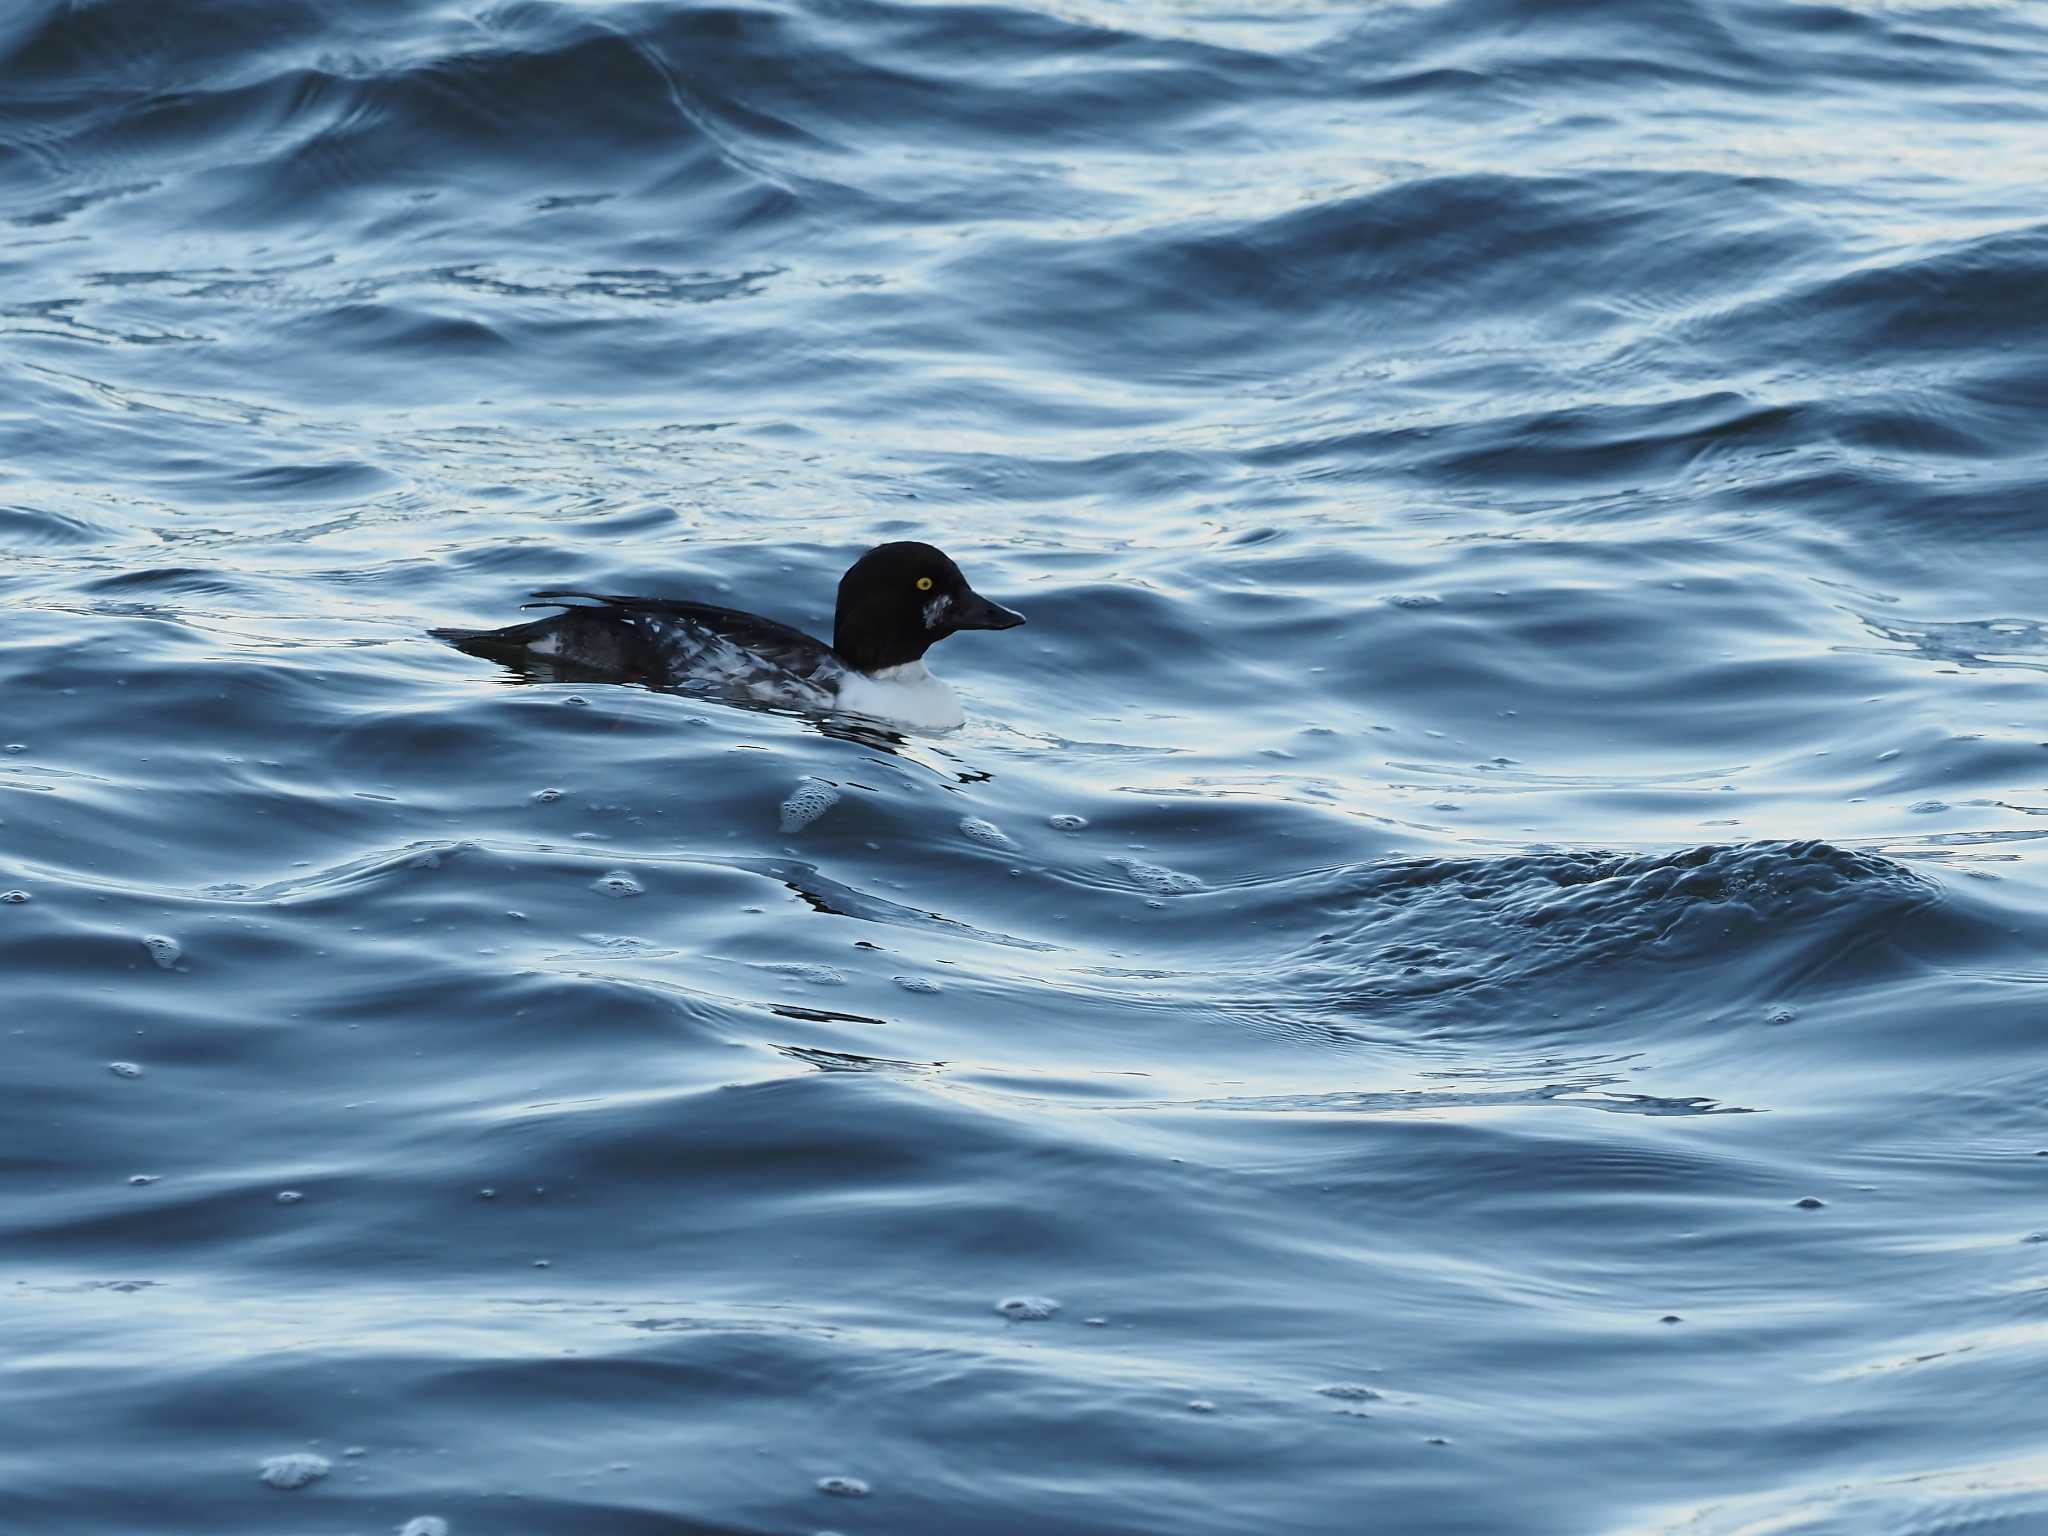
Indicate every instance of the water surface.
{"type": "Point", "coordinates": [1477, 967]}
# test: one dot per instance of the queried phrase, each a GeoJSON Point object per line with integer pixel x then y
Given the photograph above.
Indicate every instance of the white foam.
{"type": "Point", "coordinates": [295, 1469]}
{"type": "Point", "coordinates": [1027, 1309]}
{"type": "Point", "coordinates": [986, 832]}
{"type": "Point", "coordinates": [1157, 877]}
{"type": "Point", "coordinates": [810, 799]}
{"type": "Point", "coordinates": [809, 973]}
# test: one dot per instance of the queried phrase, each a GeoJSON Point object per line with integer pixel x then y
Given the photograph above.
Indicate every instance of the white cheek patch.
{"type": "Point", "coordinates": [936, 610]}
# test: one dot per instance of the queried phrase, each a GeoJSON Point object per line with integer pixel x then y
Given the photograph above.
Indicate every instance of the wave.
{"type": "Point", "coordinates": [1469, 944]}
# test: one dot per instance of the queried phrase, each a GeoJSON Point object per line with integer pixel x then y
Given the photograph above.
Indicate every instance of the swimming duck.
{"type": "Point", "coordinates": [895, 603]}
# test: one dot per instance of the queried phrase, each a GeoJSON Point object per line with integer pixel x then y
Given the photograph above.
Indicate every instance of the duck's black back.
{"type": "Point", "coordinates": [658, 641]}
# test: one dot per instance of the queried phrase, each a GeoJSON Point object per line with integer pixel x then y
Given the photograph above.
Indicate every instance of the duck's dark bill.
{"type": "Point", "coordinates": [976, 612]}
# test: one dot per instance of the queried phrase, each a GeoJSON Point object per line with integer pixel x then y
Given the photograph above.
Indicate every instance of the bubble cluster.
{"type": "Point", "coordinates": [166, 952]}
{"type": "Point", "coordinates": [295, 1469]}
{"type": "Point", "coordinates": [1157, 877]}
{"type": "Point", "coordinates": [1349, 1392]}
{"type": "Point", "coordinates": [1027, 1309]}
{"type": "Point", "coordinates": [986, 832]}
{"type": "Point", "coordinates": [810, 799]}
{"type": "Point", "coordinates": [807, 972]}
{"type": "Point", "coordinates": [617, 884]}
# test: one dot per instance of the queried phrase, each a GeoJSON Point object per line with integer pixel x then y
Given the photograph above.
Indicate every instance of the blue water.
{"type": "Point", "coordinates": [1527, 763]}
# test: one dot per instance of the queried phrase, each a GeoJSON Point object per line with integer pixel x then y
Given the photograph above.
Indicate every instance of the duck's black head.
{"type": "Point", "coordinates": [898, 600]}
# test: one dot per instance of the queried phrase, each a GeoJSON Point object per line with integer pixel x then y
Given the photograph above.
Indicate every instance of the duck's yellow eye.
{"type": "Point", "coordinates": [924, 583]}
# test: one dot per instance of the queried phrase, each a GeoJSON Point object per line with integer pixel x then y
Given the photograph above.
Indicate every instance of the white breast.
{"type": "Point", "coordinates": [908, 695]}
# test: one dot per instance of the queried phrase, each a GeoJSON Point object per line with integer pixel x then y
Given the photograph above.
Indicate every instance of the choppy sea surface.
{"type": "Point", "coordinates": [1481, 965]}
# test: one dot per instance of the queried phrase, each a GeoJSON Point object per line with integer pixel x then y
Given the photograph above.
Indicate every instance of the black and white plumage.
{"type": "Point", "coordinates": [895, 603]}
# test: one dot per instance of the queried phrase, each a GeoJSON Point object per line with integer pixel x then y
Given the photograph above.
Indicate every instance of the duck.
{"type": "Point", "coordinates": [895, 603]}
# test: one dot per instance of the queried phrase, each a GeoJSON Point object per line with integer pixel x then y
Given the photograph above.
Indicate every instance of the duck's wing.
{"type": "Point", "coordinates": [581, 644]}
{"type": "Point", "coordinates": [689, 633]}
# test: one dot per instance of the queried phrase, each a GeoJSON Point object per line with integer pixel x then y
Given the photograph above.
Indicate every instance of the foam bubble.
{"type": "Point", "coordinates": [916, 983]}
{"type": "Point", "coordinates": [1928, 807]}
{"type": "Point", "coordinates": [810, 799]}
{"type": "Point", "coordinates": [807, 972]}
{"type": "Point", "coordinates": [289, 1197]}
{"type": "Point", "coordinates": [13, 898]}
{"type": "Point", "coordinates": [986, 832]}
{"type": "Point", "coordinates": [124, 1069]}
{"type": "Point", "coordinates": [1349, 1392]}
{"type": "Point", "coordinates": [1780, 1014]}
{"type": "Point", "coordinates": [843, 1487]}
{"type": "Point", "coordinates": [424, 1525]}
{"type": "Point", "coordinates": [295, 1470]}
{"type": "Point", "coordinates": [1027, 1309]}
{"type": "Point", "coordinates": [1157, 877]}
{"type": "Point", "coordinates": [164, 951]}
{"type": "Point", "coordinates": [545, 796]}
{"type": "Point", "coordinates": [1066, 823]}
{"type": "Point", "coordinates": [617, 884]}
